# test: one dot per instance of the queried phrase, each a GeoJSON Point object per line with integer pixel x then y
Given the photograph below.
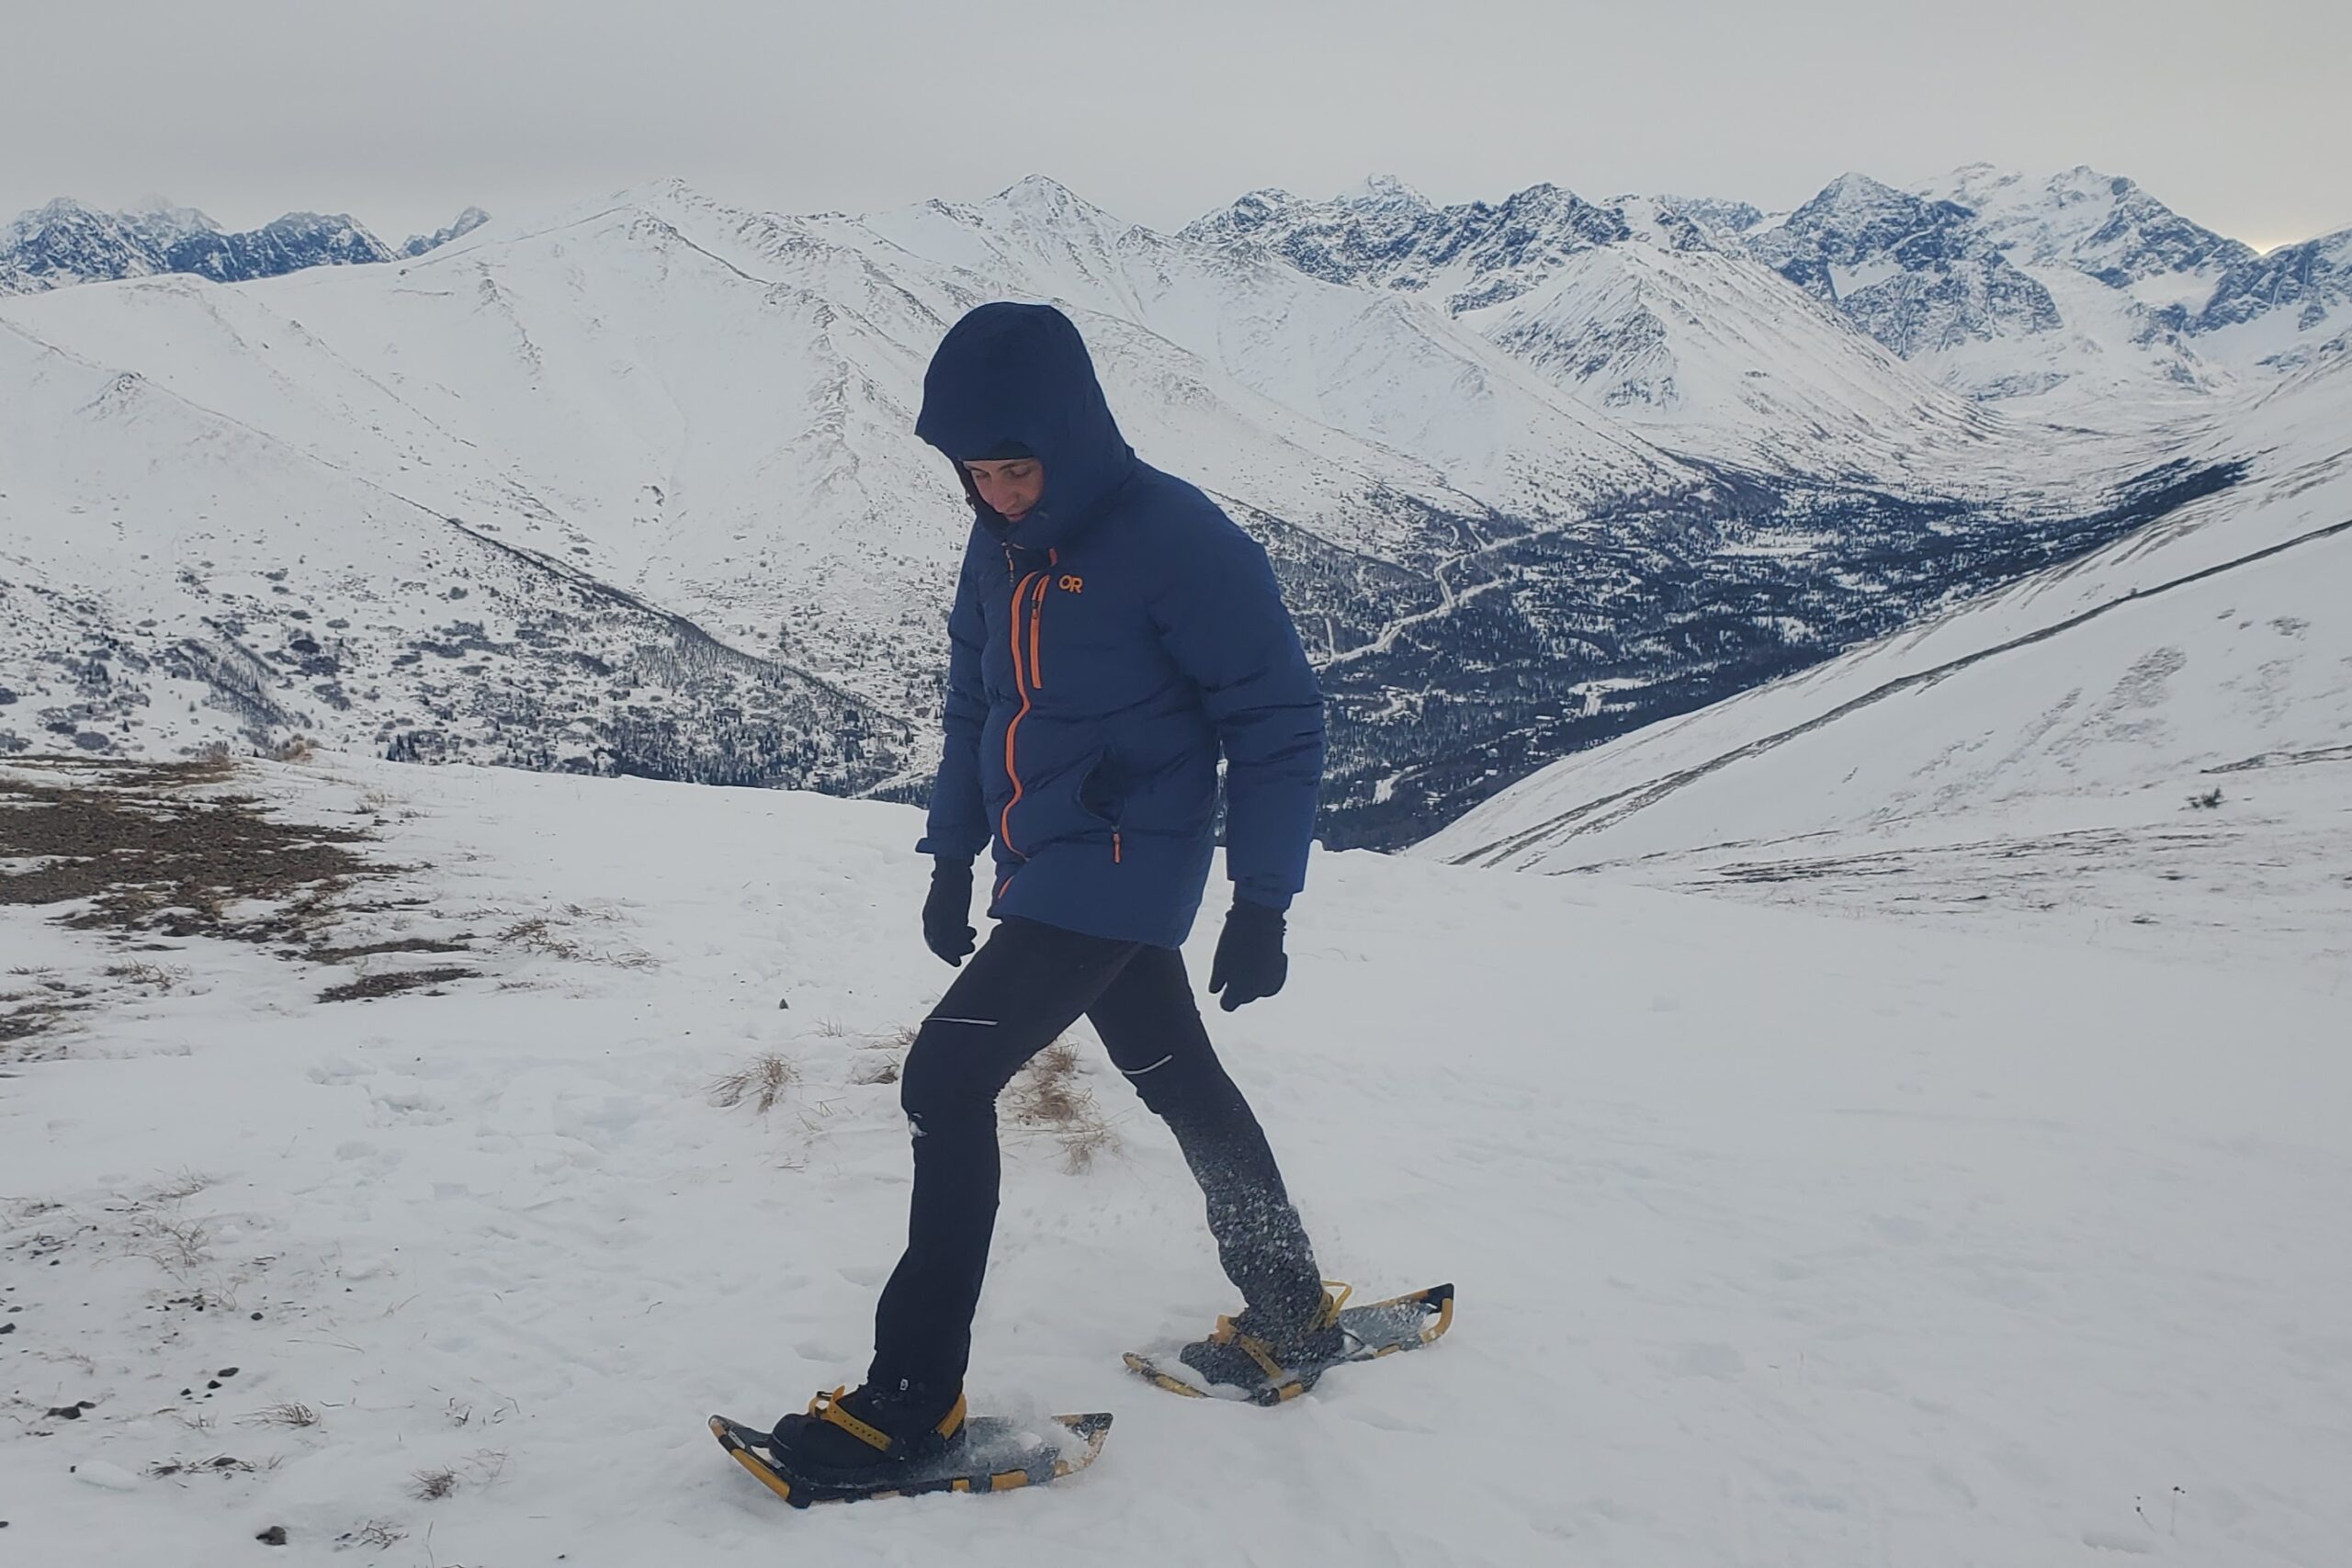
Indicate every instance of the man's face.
{"type": "Point", "coordinates": [1012, 486]}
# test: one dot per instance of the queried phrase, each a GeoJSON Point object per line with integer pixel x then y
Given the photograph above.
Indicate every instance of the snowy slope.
{"type": "Point", "coordinates": [2208, 653]}
{"type": "Point", "coordinates": [1706, 351]}
{"type": "Point", "coordinates": [1873, 1248]}
{"type": "Point", "coordinates": [171, 573]}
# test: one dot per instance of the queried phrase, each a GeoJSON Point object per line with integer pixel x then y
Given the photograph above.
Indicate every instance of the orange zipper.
{"type": "Point", "coordinates": [1025, 680]}
{"type": "Point", "coordinates": [1020, 683]}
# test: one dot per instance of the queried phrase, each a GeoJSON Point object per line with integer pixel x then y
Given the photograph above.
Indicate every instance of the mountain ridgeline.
{"type": "Point", "coordinates": [66, 243]}
{"type": "Point", "coordinates": [630, 488]}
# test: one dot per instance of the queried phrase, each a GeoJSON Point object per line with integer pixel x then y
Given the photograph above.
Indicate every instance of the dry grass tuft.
{"type": "Point", "coordinates": [432, 1485]}
{"type": "Point", "coordinates": [764, 1082]}
{"type": "Point", "coordinates": [1080, 1146]}
{"type": "Point", "coordinates": [1047, 1093]}
{"type": "Point", "coordinates": [153, 975]}
{"type": "Point", "coordinates": [180, 1188]}
{"type": "Point", "coordinates": [348, 952]}
{"type": "Point", "coordinates": [393, 982]}
{"type": "Point", "coordinates": [288, 1414]}
{"type": "Point", "coordinates": [180, 1246]}
{"type": "Point", "coordinates": [378, 1533]}
{"type": "Point", "coordinates": [542, 935]}
{"type": "Point", "coordinates": [892, 1048]}
{"type": "Point", "coordinates": [383, 802]}
{"type": "Point", "coordinates": [219, 1465]}
{"type": "Point", "coordinates": [1049, 1096]}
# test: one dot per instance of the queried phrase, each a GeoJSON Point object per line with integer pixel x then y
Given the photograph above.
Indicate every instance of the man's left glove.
{"type": "Point", "coordinates": [1250, 962]}
{"type": "Point", "coordinates": [947, 913]}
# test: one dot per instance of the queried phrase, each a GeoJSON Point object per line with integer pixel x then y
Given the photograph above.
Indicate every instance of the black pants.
{"type": "Point", "coordinates": [1019, 992]}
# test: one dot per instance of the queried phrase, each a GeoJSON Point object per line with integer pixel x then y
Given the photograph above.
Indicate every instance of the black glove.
{"type": "Point", "coordinates": [947, 913]}
{"type": "Point", "coordinates": [1250, 959]}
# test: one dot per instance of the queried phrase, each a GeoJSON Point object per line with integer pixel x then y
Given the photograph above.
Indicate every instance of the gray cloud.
{"type": "Point", "coordinates": [401, 115]}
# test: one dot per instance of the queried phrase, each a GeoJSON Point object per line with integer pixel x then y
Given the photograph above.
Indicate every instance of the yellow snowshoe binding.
{"type": "Point", "coordinates": [1269, 1362]}
{"type": "Point", "coordinates": [852, 1436]}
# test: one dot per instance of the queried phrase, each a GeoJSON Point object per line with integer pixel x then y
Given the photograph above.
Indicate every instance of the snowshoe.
{"type": "Point", "coordinates": [1237, 1362]}
{"type": "Point", "coordinates": [988, 1454]}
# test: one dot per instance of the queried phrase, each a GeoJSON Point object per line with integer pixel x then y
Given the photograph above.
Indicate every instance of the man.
{"type": "Point", "coordinates": [1113, 631]}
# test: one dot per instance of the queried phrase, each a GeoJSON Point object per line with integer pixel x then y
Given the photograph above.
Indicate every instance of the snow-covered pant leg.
{"type": "Point", "coordinates": [1152, 1028]}
{"type": "Point", "coordinates": [1027, 985]}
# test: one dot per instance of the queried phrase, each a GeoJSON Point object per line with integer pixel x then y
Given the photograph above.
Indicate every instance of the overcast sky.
{"type": "Point", "coordinates": [2231, 110]}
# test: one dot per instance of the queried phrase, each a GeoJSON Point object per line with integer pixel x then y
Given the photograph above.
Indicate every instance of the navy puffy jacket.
{"type": "Point", "coordinates": [1105, 648]}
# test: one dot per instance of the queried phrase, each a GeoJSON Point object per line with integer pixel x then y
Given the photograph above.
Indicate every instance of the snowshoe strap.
{"type": "Point", "coordinates": [1333, 1303]}
{"type": "Point", "coordinates": [1261, 1351]}
{"type": "Point", "coordinates": [827, 1407]}
{"type": "Point", "coordinates": [1228, 1332]}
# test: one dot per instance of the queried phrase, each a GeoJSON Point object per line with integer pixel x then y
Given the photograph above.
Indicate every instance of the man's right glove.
{"type": "Point", "coordinates": [1250, 960]}
{"type": "Point", "coordinates": [947, 913]}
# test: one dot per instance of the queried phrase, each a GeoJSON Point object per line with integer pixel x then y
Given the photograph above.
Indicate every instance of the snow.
{"type": "Point", "coordinates": [2028, 757]}
{"type": "Point", "coordinates": [1900, 1120]}
{"type": "Point", "coordinates": [1780, 1237]}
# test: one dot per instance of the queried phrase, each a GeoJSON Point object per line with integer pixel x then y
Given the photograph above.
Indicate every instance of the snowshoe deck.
{"type": "Point", "coordinates": [1372, 1331]}
{"type": "Point", "coordinates": [993, 1455]}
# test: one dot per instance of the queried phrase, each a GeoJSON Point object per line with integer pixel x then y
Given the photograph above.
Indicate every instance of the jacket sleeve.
{"type": "Point", "coordinates": [1220, 617]}
{"type": "Point", "coordinates": [958, 825]}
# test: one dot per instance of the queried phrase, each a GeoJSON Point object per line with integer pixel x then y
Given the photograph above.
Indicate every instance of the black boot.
{"type": "Point", "coordinates": [850, 1438]}
{"type": "Point", "coordinates": [1253, 1350]}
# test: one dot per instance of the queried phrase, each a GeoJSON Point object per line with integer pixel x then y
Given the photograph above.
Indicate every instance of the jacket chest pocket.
{"type": "Point", "coordinates": [1086, 648]}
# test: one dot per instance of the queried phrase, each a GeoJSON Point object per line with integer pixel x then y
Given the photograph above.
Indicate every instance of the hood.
{"type": "Point", "coordinates": [1020, 373]}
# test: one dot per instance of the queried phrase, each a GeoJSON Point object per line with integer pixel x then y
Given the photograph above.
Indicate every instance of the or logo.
{"type": "Point", "coordinates": [1073, 585]}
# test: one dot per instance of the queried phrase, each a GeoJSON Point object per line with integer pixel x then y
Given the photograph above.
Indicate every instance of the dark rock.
{"type": "Point", "coordinates": [274, 1536]}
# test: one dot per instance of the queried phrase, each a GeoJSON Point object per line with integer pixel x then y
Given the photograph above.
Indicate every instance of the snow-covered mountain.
{"type": "Point", "coordinates": [471, 218]}
{"type": "Point", "coordinates": [1639, 308]}
{"type": "Point", "coordinates": [2064, 293]}
{"type": "Point", "coordinates": [2077, 297]}
{"type": "Point", "coordinates": [2147, 726]}
{"type": "Point", "coordinates": [66, 243]}
{"type": "Point", "coordinates": [1649, 472]}
{"type": "Point", "coordinates": [2281, 310]}
{"type": "Point", "coordinates": [1914, 274]}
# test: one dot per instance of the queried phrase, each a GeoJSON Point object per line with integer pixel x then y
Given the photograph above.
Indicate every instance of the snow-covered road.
{"type": "Point", "coordinates": [1780, 1238]}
